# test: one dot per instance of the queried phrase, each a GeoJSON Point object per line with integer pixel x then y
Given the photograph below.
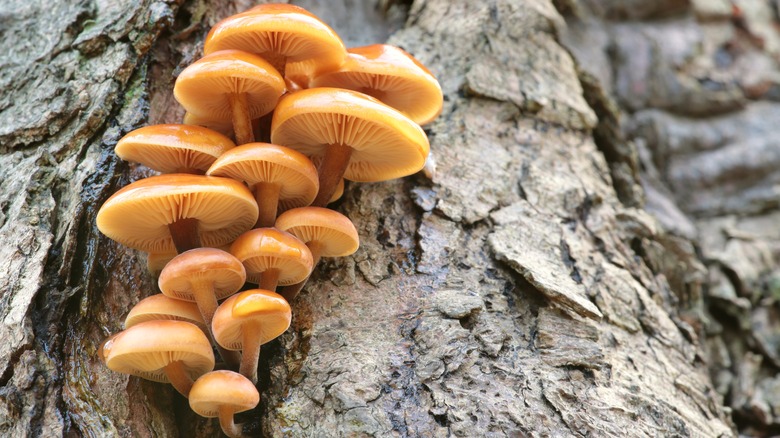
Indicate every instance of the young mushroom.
{"type": "Point", "coordinates": [247, 320]}
{"type": "Point", "coordinates": [391, 75]}
{"type": "Point", "coordinates": [354, 136]}
{"type": "Point", "coordinates": [173, 148]}
{"type": "Point", "coordinates": [230, 85]}
{"type": "Point", "coordinates": [177, 212]}
{"type": "Point", "coordinates": [280, 177]}
{"type": "Point", "coordinates": [272, 257]}
{"type": "Point", "coordinates": [203, 276]}
{"type": "Point", "coordinates": [174, 352]}
{"type": "Point", "coordinates": [223, 394]}
{"type": "Point", "coordinates": [327, 233]}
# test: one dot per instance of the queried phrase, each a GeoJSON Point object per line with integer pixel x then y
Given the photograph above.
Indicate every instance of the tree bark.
{"type": "Point", "coordinates": [520, 289]}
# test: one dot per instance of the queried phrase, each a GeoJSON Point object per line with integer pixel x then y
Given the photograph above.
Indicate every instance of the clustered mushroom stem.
{"type": "Point", "coordinates": [331, 171]}
{"type": "Point", "coordinates": [251, 350]}
{"type": "Point", "coordinates": [290, 292]}
{"type": "Point", "coordinates": [279, 62]}
{"type": "Point", "coordinates": [226, 421]}
{"type": "Point", "coordinates": [179, 377]}
{"type": "Point", "coordinates": [184, 233]}
{"type": "Point", "coordinates": [242, 123]}
{"type": "Point", "coordinates": [267, 196]}
{"type": "Point", "coordinates": [269, 280]}
{"type": "Point", "coordinates": [207, 304]}
{"type": "Point", "coordinates": [263, 128]}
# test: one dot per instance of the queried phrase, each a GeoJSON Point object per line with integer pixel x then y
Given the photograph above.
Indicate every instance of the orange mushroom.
{"type": "Point", "coordinates": [391, 75]}
{"type": "Point", "coordinates": [230, 85]}
{"type": "Point", "coordinates": [173, 148]}
{"type": "Point", "coordinates": [160, 307]}
{"type": "Point", "coordinates": [223, 394]}
{"type": "Point", "coordinates": [224, 127]}
{"type": "Point", "coordinates": [272, 257]}
{"type": "Point", "coordinates": [247, 320]}
{"type": "Point", "coordinates": [279, 33]}
{"type": "Point", "coordinates": [175, 352]}
{"type": "Point", "coordinates": [178, 212]}
{"type": "Point", "coordinates": [327, 233]}
{"type": "Point", "coordinates": [280, 177]}
{"type": "Point", "coordinates": [354, 136]}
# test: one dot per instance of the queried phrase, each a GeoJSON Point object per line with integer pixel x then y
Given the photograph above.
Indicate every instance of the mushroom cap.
{"type": "Point", "coordinates": [205, 86]}
{"type": "Point", "coordinates": [386, 144]}
{"type": "Point", "coordinates": [160, 307]}
{"type": "Point", "coordinates": [170, 148]}
{"type": "Point", "coordinates": [268, 309]}
{"type": "Point", "coordinates": [222, 388]}
{"type": "Point", "coordinates": [281, 30]}
{"type": "Point", "coordinates": [256, 163]}
{"type": "Point", "coordinates": [392, 76]}
{"type": "Point", "coordinates": [224, 127]}
{"type": "Point", "coordinates": [333, 231]}
{"type": "Point", "coordinates": [145, 349]}
{"type": "Point", "coordinates": [198, 266]}
{"type": "Point", "coordinates": [262, 249]}
{"type": "Point", "coordinates": [138, 215]}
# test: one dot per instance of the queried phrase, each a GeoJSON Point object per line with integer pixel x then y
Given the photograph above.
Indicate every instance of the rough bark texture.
{"type": "Point", "coordinates": [521, 289]}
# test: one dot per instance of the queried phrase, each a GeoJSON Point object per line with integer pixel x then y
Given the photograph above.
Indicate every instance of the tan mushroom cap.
{"type": "Point", "coordinates": [138, 215]}
{"type": "Point", "coordinates": [145, 349]}
{"type": "Point", "coordinates": [263, 249]}
{"type": "Point", "coordinates": [256, 163]}
{"type": "Point", "coordinates": [386, 144]}
{"type": "Point", "coordinates": [173, 148]}
{"type": "Point", "coordinates": [211, 265]}
{"type": "Point", "coordinates": [224, 127]}
{"type": "Point", "coordinates": [335, 233]}
{"type": "Point", "coordinates": [222, 389]}
{"type": "Point", "coordinates": [205, 86]}
{"type": "Point", "coordinates": [160, 307]}
{"type": "Point", "coordinates": [391, 75]}
{"type": "Point", "coordinates": [279, 32]}
{"type": "Point", "coordinates": [267, 309]}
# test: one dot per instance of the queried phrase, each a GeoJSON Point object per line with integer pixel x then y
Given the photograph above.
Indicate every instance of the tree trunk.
{"type": "Point", "coordinates": [518, 289]}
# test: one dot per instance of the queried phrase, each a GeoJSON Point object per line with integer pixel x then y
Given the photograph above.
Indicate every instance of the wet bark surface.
{"type": "Point", "coordinates": [520, 289]}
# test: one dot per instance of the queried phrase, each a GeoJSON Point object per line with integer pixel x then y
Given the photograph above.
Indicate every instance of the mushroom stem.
{"type": "Point", "coordinates": [226, 421]}
{"type": "Point", "coordinates": [279, 62]}
{"type": "Point", "coordinates": [179, 377]}
{"type": "Point", "coordinates": [269, 280]}
{"type": "Point", "coordinates": [207, 304]}
{"type": "Point", "coordinates": [267, 196]}
{"type": "Point", "coordinates": [251, 350]}
{"type": "Point", "coordinates": [242, 123]}
{"type": "Point", "coordinates": [331, 172]}
{"type": "Point", "coordinates": [290, 292]}
{"type": "Point", "coordinates": [263, 128]}
{"type": "Point", "coordinates": [184, 233]}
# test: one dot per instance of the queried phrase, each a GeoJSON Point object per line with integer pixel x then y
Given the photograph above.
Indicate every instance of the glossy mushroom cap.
{"type": "Point", "coordinates": [138, 215]}
{"type": "Point", "coordinates": [173, 148]}
{"type": "Point", "coordinates": [205, 86]}
{"type": "Point", "coordinates": [160, 307]}
{"type": "Point", "coordinates": [145, 349]}
{"type": "Point", "coordinates": [222, 389]}
{"type": "Point", "coordinates": [256, 163]}
{"type": "Point", "coordinates": [265, 308]}
{"type": "Point", "coordinates": [263, 249]}
{"type": "Point", "coordinates": [334, 233]}
{"type": "Point", "coordinates": [223, 272]}
{"type": "Point", "coordinates": [391, 75]}
{"type": "Point", "coordinates": [386, 144]}
{"type": "Point", "coordinates": [280, 33]}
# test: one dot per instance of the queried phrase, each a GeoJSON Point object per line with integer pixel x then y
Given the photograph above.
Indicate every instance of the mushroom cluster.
{"type": "Point", "coordinates": [305, 113]}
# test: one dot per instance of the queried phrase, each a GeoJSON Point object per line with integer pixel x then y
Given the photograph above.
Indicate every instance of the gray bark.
{"type": "Point", "coordinates": [522, 289]}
